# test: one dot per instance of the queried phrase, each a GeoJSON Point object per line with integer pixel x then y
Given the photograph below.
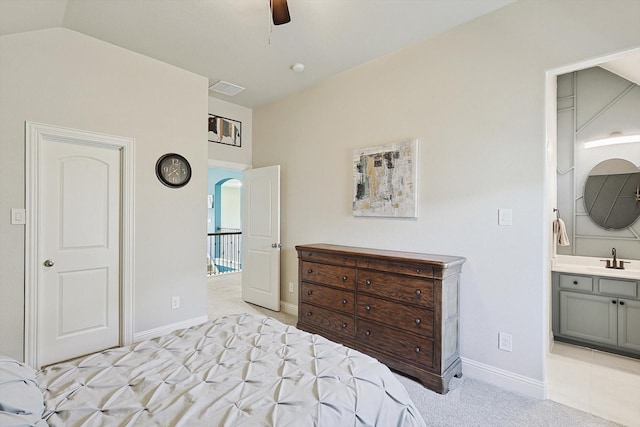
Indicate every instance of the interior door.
{"type": "Point", "coordinates": [78, 237]}
{"type": "Point", "coordinates": [261, 237]}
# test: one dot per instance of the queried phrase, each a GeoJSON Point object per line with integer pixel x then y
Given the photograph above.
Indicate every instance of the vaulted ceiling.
{"type": "Point", "coordinates": [234, 41]}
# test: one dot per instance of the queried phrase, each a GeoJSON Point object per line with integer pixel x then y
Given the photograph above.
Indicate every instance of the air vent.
{"type": "Point", "coordinates": [226, 88]}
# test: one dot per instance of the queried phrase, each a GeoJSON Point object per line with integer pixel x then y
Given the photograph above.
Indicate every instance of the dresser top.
{"type": "Point", "coordinates": [444, 261]}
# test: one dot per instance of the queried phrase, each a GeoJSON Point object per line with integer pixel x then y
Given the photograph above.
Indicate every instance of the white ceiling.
{"type": "Point", "coordinates": [233, 40]}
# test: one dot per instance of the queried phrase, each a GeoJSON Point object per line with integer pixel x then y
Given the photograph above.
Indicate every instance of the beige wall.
{"type": "Point", "coordinates": [474, 96]}
{"type": "Point", "coordinates": [63, 78]}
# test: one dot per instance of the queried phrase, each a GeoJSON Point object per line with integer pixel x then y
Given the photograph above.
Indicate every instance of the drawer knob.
{"type": "Point", "coordinates": [367, 307]}
{"type": "Point", "coordinates": [368, 282]}
{"type": "Point", "coordinates": [344, 301]}
{"type": "Point", "coordinates": [344, 278]}
{"type": "Point", "coordinates": [344, 326]}
{"type": "Point", "coordinates": [417, 349]}
{"type": "Point", "coordinates": [417, 321]}
{"type": "Point", "coordinates": [309, 292]}
{"type": "Point", "coordinates": [575, 282]}
{"type": "Point", "coordinates": [308, 313]}
{"type": "Point", "coordinates": [309, 271]}
{"type": "Point", "coordinates": [417, 270]}
{"type": "Point", "coordinates": [367, 333]}
{"type": "Point", "coordinates": [418, 292]}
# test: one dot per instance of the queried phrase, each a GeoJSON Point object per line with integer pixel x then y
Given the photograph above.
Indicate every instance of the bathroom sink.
{"type": "Point", "coordinates": [595, 266]}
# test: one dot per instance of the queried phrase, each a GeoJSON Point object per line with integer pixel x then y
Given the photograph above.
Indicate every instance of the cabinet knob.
{"type": "Point", "coordinates": [417, 321]}
{"type": "Point", "coordinates": [575, 282]}
{"type": "Point", "coordinates": [417, 349]}
{"type": "Point", "coordinates": [344, 302]}
{"type": "Point", "coordinates": [367, 333]}
{"type": "Point", "coordinates": [309, 292]}
{"type": "Point", "coordinates": [309, 271]}
{"type": "Point", "coordinates": [344, 278]}
{"type": "Point", "coordinates": [418, 292]}
{"type": "Point", "coordinates": [308, 313]}
{"type": "Point", "coordinates": [368, 282]}
{"type": "Point", "coordinates": [621, 302]}
{"type": "Point", "coordinates": [344, 326]}
{"type": "Point", "coordinates": [367, 307]}
{"type": "Point", "coordinates": [613, 301]}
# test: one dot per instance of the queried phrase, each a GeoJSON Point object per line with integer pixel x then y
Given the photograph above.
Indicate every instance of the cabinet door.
{"type": "Point", "coordinates": [629, 324]}
{"type": "Point", "coordinates": [589, 317]}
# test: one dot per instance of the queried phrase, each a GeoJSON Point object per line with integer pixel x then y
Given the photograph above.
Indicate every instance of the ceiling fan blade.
{"type": "Point", "coordinates": [280, 12]}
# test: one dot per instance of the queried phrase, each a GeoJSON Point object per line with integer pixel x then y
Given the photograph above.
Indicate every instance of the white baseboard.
{"type": "Point", "coordinates": [167, 329]}
{"type": "Point", "coordinates": [289, 308]}
{"type": "Point", "coordinates": [503, 379]}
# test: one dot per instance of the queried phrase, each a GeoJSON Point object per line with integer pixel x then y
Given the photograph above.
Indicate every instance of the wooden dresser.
{"type": "Point", "coordinates": [399, 307]}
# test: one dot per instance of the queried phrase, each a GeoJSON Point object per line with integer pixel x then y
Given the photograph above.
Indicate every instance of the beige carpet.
{"type": "Point", "coordinates": [224, 296]}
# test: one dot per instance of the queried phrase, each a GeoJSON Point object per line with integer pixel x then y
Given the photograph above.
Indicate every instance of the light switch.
{"type": "Point", "coordinates": [504, 217]}
{"type": "Point", "coordinates": [18, 216]}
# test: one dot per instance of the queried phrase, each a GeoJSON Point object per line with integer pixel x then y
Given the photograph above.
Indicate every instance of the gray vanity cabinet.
{"type": "Point", "coordinates": [588, 317]}
{"type": "Point", "coordinates": [629, 325]}
{"type": "Point", "coordinates": [596, 311]}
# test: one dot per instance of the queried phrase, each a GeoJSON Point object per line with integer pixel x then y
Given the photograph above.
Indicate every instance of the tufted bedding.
{"type": "Point", "coordinates": [238, 370]}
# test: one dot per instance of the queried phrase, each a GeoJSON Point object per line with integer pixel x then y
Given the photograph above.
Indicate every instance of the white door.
{"type": "Point", "coordinates": [78, 237]}
{"type": "Point", "coordinates": [261, 237]}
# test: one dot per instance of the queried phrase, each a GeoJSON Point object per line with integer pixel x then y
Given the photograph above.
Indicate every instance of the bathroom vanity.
{"type": "Point", "coordinates": [596, 306]}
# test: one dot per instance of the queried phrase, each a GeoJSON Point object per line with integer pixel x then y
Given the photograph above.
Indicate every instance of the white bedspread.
{"type": "Point", "coordinates": [238, 370]}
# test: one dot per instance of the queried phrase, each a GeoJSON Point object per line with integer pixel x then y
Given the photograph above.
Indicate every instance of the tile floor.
{"type": "Point", "coordinates": [603, 384]}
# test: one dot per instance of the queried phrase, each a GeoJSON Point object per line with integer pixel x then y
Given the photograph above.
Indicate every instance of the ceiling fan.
{"type": "Point", "coordinates": [280, 12]}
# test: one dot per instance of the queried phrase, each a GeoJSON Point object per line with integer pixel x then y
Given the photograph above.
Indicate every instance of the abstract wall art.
{"type": "Point", "coordinates": [225, 131]}
{"type": "Point", "coordinates": [385, 180]}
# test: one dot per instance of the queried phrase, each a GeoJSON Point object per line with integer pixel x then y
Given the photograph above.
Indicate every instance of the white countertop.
{"type": "Point", "coordinates": [595, 266]}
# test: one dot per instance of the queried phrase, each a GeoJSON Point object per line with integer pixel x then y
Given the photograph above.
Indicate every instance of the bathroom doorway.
{"type": "Point", "coordinates": [597, 382]}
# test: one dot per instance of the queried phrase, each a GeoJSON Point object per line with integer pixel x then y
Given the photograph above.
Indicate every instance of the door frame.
{"type": "Point", "coordinates": [550, 189]}
{"type": "Point", "coordinates": [34, 134]}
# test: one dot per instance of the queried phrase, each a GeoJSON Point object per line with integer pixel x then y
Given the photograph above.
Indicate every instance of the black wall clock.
{"type": "Point", "coordinates": [173, 170]}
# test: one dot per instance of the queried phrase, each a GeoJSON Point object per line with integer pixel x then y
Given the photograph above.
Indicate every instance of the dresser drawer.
{"type": "Point", "coordinates": [327, 319]}
{"type": "Point", "coordinates": [408, 318]}
{"type": "Point", "coordinates": [327, 258]}
{"type": "Point", "coordinates": [343, 277]}
{"type": "Point", "coordinates": [624, 288]}
{"type": "Point", "coordinates": [419, 270]}
{"type": "Point", "coordinates": [328, 297]}
{"type": "Point", "coordinates": [579, 283]}
{"type": "Point", "coordinates": [396, 287]}
{"type": "Point", "coordinates": [401, 344]}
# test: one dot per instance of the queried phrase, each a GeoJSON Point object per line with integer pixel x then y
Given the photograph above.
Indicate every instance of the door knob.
{"type": "Point", "coordinates": [49, 263]}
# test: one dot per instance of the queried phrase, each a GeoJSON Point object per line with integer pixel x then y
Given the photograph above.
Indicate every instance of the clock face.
{"type": "Point", "coordinates": [173, 170]}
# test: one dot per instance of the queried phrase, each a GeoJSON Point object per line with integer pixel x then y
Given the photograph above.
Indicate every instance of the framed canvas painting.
{"type": "Point", "coordinates": [385, 180]}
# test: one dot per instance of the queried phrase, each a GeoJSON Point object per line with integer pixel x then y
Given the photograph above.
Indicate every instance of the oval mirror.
{"type": "Point", "coordinates": [612, 194]}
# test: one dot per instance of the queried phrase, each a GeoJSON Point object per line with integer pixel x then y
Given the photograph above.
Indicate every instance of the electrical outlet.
{"type": "Point", "coordinates": [290, 286]}
{"type": "Point", "coordinates": [505, 341]}
{"type": "Point", "coordinates": [175, 303]}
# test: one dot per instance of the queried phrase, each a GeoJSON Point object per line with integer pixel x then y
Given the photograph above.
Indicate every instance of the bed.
{"type": "Point", "coordinates": [238, 370]}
